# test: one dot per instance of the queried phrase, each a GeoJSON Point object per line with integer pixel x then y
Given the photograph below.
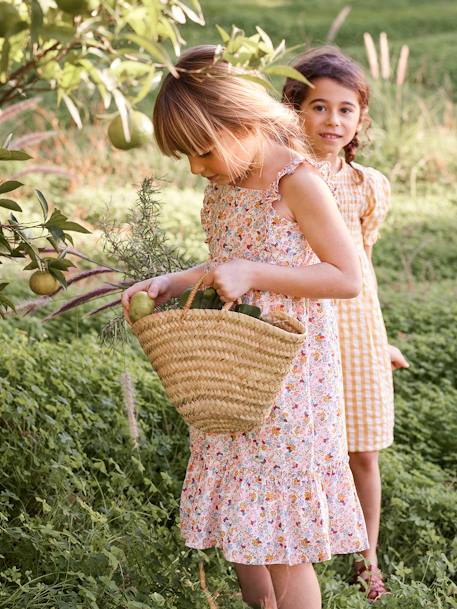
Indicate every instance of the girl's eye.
{"type": "Point", "coordinates": [346, 110]}
{"type": "Point", "coordinates": [205, 154]}
{"type": "Point", "coordinates": [319, 108]}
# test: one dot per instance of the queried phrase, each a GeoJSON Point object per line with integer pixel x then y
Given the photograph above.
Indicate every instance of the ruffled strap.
{"type": "Point", "coordinates": [322, 167]}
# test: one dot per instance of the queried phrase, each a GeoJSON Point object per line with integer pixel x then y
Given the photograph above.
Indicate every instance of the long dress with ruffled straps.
{"type": "Point", "coordinates": [282, 493]}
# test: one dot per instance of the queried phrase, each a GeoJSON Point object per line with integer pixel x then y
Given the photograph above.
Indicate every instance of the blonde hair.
{"type": "Point", "coordinates": [211, 97]}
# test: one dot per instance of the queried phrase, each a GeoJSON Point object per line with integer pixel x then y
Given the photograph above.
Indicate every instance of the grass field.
{"type": "Point", "coordinates": [90, 521]}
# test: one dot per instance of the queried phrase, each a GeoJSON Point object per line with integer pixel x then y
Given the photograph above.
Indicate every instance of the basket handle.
{"type": "Point", "coordinates": [190, 299]}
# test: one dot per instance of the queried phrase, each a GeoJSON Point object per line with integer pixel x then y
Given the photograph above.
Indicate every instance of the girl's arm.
{"type": "Point", "coordinates": [338, 273]}
{"type": "Point", "coordinates": [164, 287]}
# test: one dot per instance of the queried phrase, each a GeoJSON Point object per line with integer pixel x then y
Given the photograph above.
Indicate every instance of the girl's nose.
{"type": "Point", "coordinates": [333, 118]}
{"type": "Point", "coordinates": [196, 166]}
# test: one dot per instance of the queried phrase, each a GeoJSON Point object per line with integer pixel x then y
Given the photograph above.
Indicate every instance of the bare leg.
{"type": "Point", "coordinates": [256, 586]}
{"type": "Point", "coordinates": [365, 470]}
{"type": "Point", "coordinates": [296, 587]}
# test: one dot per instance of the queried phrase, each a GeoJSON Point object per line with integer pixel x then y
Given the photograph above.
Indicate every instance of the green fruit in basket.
{"type": "Point", "coordinates": [141, 304]}
{"type": "Point", "coordinates": [197, 301]}
{"type": "Point", "coordinates": [250, 310]}
{"type": "Point", "coordinates": [218, 303]}
{"type": "Point", "coordinates": [184, 298]}
{"type": "Point", "coordinates": [208, 298]}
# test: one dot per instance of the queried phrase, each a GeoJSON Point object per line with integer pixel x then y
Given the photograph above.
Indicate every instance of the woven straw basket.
{"type": "Point", "coordinates": [221, 370]}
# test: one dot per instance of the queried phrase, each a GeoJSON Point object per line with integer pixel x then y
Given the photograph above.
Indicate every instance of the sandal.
{"type": "Point", "coordinates": [370, 581]}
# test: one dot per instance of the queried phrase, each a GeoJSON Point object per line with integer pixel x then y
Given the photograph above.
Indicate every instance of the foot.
{"type": "Point", "coordinates": [372, 581]}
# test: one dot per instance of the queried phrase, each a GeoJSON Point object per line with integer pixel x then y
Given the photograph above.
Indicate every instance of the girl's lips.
{"type": "Point", "coordinates": [330, 136]}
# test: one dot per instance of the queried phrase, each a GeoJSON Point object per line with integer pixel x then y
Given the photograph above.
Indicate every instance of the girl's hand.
{"type": "Point", "coordinates": [158, 288]}
{"type": "Point", "coordinates": [397, 359]}
{"type": "Point", "coordinates": [232, 279]}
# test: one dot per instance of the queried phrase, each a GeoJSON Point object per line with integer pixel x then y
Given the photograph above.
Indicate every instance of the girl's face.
{"type": "Point", "coordinates": [331, 116]}
{"type": "Point", "coordinates": [211, 165]}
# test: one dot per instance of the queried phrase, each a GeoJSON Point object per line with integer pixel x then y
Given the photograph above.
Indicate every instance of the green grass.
{"type": "Point", "coordinates": [428, 28]}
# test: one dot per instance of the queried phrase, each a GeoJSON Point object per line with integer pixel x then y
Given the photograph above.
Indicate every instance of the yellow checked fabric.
{"type": "Point", "coordinates": [367, 372]}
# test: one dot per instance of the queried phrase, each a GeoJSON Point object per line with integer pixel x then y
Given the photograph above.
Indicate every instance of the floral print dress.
{"type": "Point", "coordinates": [282, 493]}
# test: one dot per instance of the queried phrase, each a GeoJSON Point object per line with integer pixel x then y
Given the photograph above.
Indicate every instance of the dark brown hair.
{"type": "Point", "coordinates": [328, 62]}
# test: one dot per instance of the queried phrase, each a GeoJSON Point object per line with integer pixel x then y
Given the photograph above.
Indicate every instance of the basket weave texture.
{"type": "Point", "coordinates": [221, 369]}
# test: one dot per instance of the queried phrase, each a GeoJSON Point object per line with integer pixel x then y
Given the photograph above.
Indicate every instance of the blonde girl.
{"type": "Point", "coordinates": [332, 112]}
{"type": "Point", "coordinates": [269, 499]}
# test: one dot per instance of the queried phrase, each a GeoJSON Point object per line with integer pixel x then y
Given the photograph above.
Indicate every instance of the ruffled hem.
{"type": "Point", "coordinates": [280, 559]}
{"type": "Point", "coordinates": [290, 522]}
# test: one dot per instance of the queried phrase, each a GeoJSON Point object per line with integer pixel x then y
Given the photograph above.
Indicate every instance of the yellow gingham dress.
{"type": "Point", "coordinates": [367, 374]}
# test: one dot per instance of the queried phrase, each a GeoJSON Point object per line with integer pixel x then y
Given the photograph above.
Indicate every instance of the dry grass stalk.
{"type": "Point", "coordinates": [338, 23]}
{"type": "Point", "coordinates": [129, 405]}
{"type": "Point", "coordinates": [18, 108]}
{"type": "Point", "coordinates": [385, 59]}
{"type": "Point", "coordinates": [46, 169]}
{"type": "Point", "coordinates": [372, 55]}
{"type": "Point", "coordinates": [402, 65]}
{"type": "Point", "coordinates": [206, 592]}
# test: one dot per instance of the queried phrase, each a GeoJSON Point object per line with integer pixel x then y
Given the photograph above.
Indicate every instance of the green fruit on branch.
{"type": "Point", "coordinates": [10, 20]}
{"type": "Point", "coordinates": [77, 7]}
{"type": "Point", "coordinates": [141, 304]}
{"type": "Point", "coordinates": [43, 283]}
{"type": "Point", "coordinates": [140, 127]}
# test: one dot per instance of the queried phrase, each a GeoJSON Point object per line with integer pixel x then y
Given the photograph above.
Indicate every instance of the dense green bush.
{"type": "Point", "coordinates": [88, 520]}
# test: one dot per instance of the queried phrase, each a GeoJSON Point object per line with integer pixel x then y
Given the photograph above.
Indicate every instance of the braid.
{"type": "Point", "coordinates": [349, 155]}
{"type": "Point", "coordinates": [351, 148]}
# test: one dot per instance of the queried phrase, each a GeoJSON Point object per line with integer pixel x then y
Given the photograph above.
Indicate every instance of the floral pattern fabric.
{"type": "Point", "coordinates": [282, 493]}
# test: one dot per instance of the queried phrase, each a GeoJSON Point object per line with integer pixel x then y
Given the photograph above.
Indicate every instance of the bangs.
{"type": "Point", "coordinates": [181, 125]}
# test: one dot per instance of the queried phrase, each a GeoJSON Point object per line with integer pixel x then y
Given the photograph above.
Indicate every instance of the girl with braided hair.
{"type": "Point", "coordinates": [333, 110]}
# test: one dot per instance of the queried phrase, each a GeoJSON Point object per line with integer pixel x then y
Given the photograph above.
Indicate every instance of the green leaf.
{"type": "Point", "coordinates": [196, 17]}
{"type": "Point", "coordinates": [59, 276]}
{"type": "Point", "coordinates": [67, 237]}
{"type": "Point", "coordinates": [31, 251]}
{"type": "Point", "coordinates": [61, 33]}
{"type": "Point", "coordinates": [37, 19]}
{"type": "Point", "coordinates": [74, 226]}
{"type": "Point", "coordinates": [154, 49]}
{"type": "Point", "coordinates": [259, 80]}
{"type": "Point", "coordinates": [4, 241]}
{"type": "Point", "coordinates": [44, 204]}
{"type": "Point", "coordinates": [56, 220]}
{"type": "Point", "coordinates": [9, 204]}
{"type": "Point", "coordinates": [223, 34]}
{"type": "Point", "coordinates": [57, 234]}
{"type": "Point", "coordinates": [31, 266]}
{"type": "Point", "coordinates": [13, 155]}
{"type": "Point", "coordinates": [4, 59]}
{"type": "Point", "coordinates": [3, 286]}
{"type": "Point", "coordinates": [266, 39]}
{"type": "Point", "coordinates": [9, 186]}
{"type": "Point", "coordinates": [149, 83]}
{"type": "Point", "coordinates": [73, 110]}
{"type": "Point", "coordinates": [287, 72]}
{"type": "Point", "coordinates": [59, 263]}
